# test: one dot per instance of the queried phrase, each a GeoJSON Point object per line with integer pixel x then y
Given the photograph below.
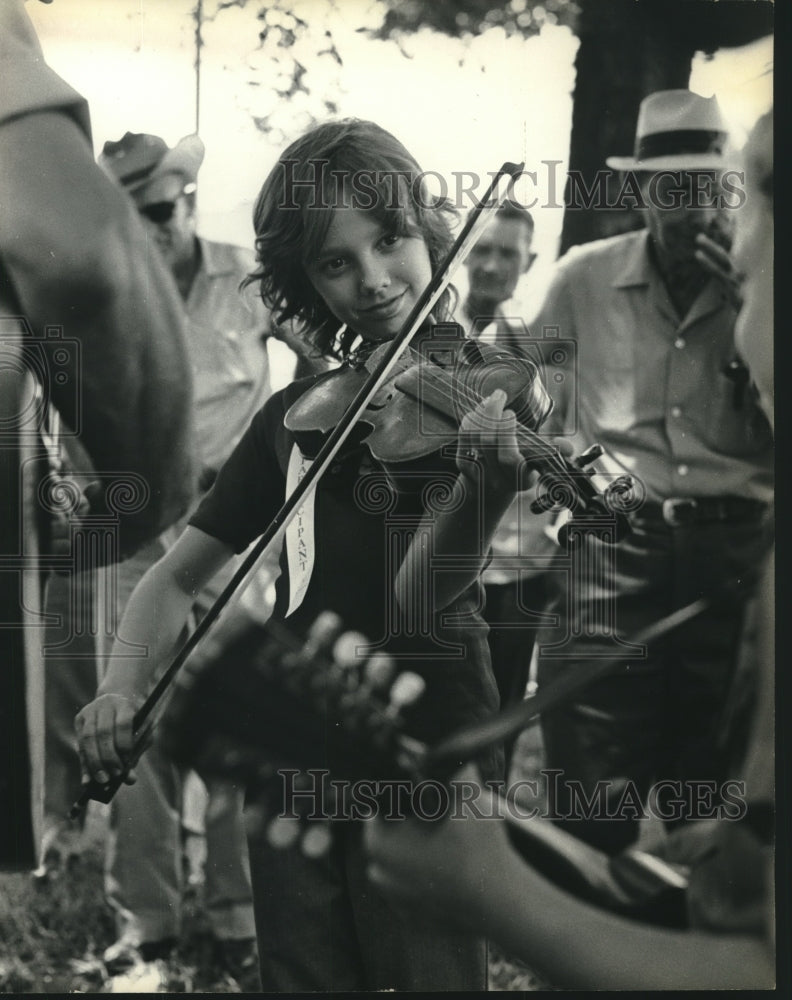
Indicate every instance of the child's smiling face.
{"type": "Point", "coordinates": [368, 276]}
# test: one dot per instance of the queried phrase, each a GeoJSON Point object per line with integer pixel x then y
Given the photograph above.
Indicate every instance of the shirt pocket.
{"type": "Point", "coordinates": [225, 364]}
{"type": "Point", "coordinates": [734, 423]}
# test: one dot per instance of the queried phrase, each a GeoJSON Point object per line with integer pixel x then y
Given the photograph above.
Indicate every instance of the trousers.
{"type": "Point", "coordinates": [514, 614]}
{"type": "Point", "coordinates": [322, 927]}
{"type": "Point", "coordinates": [649, 738]}
{"type": "Point", "coordinates": [70, 662]}
{"type": "Point", "coordinates": [144, 876]}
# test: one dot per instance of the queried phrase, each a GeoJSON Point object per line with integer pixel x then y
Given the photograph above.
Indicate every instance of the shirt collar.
{"type": "Point", "coordinates": [639, 270]}
{"type": "Point", "coordinates": [638, 267]}
{"type": "Point", "coordinates": [466, 320]}
{"type": "Point", "coordinates": [217, 258]}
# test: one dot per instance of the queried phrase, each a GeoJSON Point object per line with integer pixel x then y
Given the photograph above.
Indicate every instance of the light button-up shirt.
{"type": "Point", "coordinates": [652, 388]}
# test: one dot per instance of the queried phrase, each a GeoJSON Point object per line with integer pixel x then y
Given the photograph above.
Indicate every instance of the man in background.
{"type": "Point", "coordinates": [730, 940]}
{"type": "Point", "coordinates": [514, 581]}
{"type": "Point", "coordinates": [91, 322]}
{"type": "Point", "coordinates": [227, 334]}
{"type": "Point", "coordinates": [660, 387]}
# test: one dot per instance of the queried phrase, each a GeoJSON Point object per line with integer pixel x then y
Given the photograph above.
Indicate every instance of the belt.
{"type": "Point", "coordinates": [676, 511]}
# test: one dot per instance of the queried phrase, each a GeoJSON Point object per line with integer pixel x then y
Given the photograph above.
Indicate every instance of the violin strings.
{"type": "Point", "coordinates": [459, 392]}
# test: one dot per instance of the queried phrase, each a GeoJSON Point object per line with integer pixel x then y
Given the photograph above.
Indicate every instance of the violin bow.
{"type": "Point", "coordinates": [470, 741]}
{"type": "Point", "coordinates": [475, 224]}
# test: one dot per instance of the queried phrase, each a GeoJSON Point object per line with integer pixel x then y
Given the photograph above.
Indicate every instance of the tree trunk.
{"type": "Point", "coordinates": [628, 49]}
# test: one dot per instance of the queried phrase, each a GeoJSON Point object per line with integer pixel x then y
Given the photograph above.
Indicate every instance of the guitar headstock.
{"type": "Point", "coordinates": [273, 702]}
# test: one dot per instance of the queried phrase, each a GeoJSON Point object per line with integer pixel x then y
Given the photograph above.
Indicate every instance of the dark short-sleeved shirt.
{"type": "Point", "coordinates": [361, 532]}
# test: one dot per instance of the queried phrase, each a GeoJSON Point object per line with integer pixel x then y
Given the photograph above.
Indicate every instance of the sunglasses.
{"type": "Point", "coordinates": [161, 212]}
{"type": "Point", "coordinates": [158, 212]}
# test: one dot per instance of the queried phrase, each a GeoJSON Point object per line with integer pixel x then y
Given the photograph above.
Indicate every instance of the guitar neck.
{"type": "Point", "coordinates": [265, 706]}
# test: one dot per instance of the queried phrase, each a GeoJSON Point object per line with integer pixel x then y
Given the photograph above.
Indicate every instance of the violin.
{"type": "Point", "coordinates": [416, 416]}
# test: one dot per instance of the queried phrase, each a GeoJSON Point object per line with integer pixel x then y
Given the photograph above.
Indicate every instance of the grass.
{"type": "Point", "coordinates": [53, 931]}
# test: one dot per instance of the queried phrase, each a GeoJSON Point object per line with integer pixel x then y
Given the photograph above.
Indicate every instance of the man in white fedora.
{"type": "Point", "coordinates": [661, 388]}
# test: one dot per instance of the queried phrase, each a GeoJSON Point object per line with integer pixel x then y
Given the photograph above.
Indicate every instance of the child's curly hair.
{"type": "Point", "coordinates": [338, 162]}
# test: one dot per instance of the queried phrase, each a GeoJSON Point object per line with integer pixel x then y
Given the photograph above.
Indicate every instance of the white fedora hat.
{"type": "Point", "coordinates": [677, 130]}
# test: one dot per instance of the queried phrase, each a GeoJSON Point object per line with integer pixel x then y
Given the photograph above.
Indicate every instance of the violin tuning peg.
{"type": "Point", "coordinates": [542, 504]}
{"type": "Point", "coordinates": [621, 492]}
{"type": "Point", "coordinates": [590, 455]}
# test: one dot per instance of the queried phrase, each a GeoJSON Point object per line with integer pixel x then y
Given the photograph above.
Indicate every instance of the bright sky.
{"type": "Point", "coordinates": [511, 100]}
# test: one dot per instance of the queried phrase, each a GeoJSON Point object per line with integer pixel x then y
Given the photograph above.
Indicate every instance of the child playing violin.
{"type": "Point", "coordinates": [346, 235]}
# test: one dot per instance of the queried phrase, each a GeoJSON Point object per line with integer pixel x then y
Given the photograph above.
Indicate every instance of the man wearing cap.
{"type": "Point", "coordinates": [92, 324]}
{"type": "Point", "coordinates": [227, 343]}
{"type": "Point", "coordinates": [661, 388]}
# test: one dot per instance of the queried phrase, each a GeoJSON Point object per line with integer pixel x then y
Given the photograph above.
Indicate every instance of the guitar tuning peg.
{"type": "Point", "coordinates": [379, 671]}
{"type": "Point", "coordinates": [321, 634]}
{"type": "Point", "coordinates": [346, 650]}
{"type": "Point", "coordinates": [255, 817]}
{"type": "Point", "coordinates": [283, 832]}
{"type": "Point", "coordinates": [407, 689]}
{"type": "Point", "coordinates": [326, 624]}
{"type": "Point", "coordinates": [317, 840]}
{"type": "Point", "coordinates": [265, 771]}
{"type": "Point", "coordinates": [361, 704]}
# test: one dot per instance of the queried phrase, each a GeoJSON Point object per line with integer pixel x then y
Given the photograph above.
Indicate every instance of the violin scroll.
{"type": "Point", "coordinates": [568, 485]}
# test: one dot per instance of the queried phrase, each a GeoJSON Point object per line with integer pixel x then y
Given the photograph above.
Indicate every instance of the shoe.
{"type": "Point", "coordinates": [61, 848]}
{"type": "Point", "coordinates": [143, 977]}
{"type": "Point", "coordinates": [239, 958]}
{"type": "Point", "coordinates": [125, 954]}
